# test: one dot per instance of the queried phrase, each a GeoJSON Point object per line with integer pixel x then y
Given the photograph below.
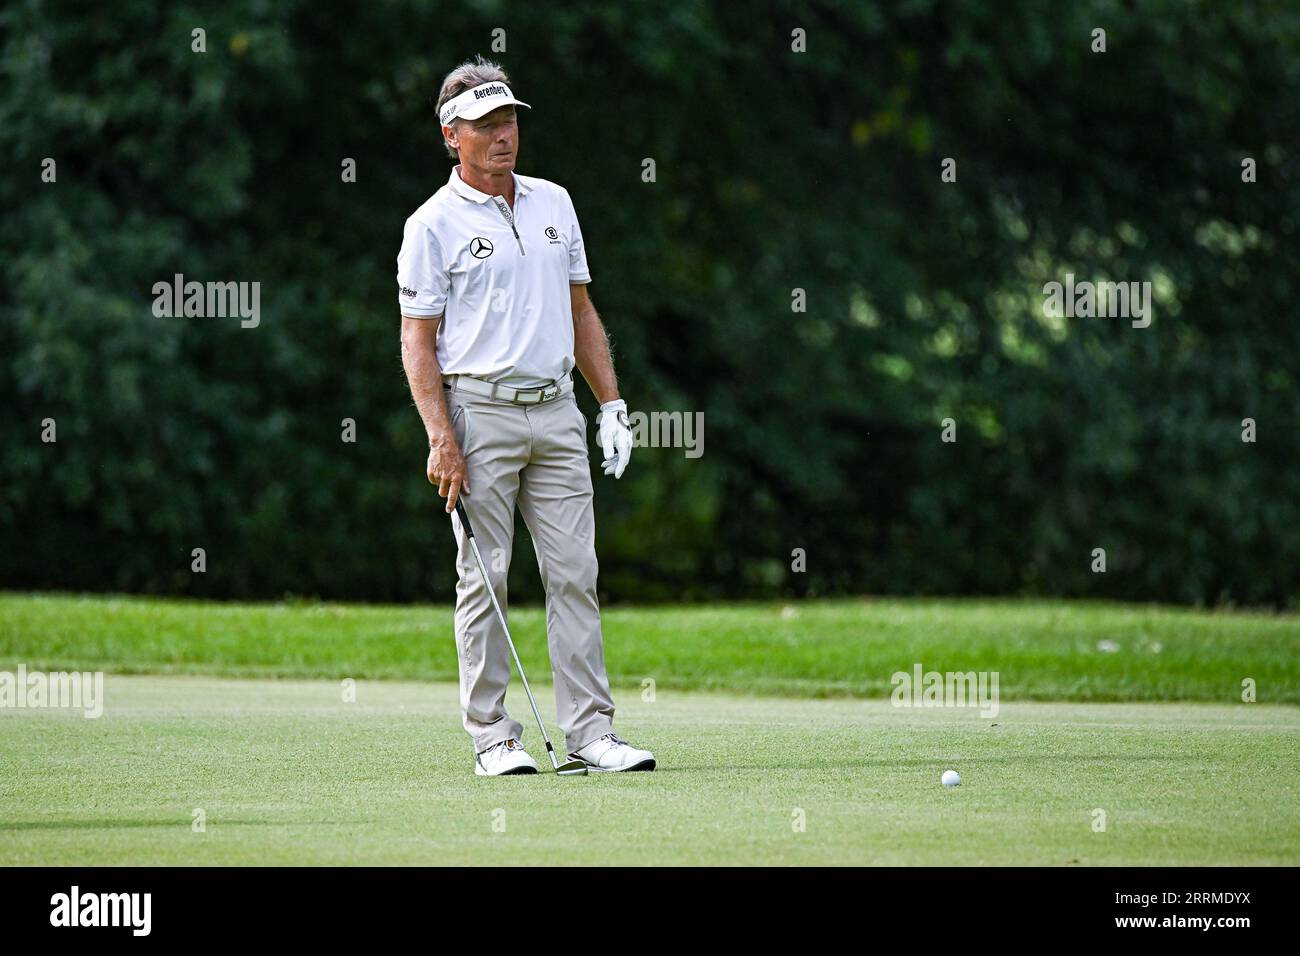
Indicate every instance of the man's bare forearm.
{"type": "Point", "coordinates": [420, 360]}
{"type": "Point", "coordinates": [591, 351]}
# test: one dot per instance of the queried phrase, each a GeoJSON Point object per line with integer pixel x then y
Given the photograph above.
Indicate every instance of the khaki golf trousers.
{"type": "Point", "coordinates": [534, 456]}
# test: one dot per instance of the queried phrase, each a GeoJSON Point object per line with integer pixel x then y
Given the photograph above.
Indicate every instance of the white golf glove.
{"type": "Point", "coordinates": [615, 435]}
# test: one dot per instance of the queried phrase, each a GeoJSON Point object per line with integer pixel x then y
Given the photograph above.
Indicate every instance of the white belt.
{"type": "Point", "coordinates": [504, 393]}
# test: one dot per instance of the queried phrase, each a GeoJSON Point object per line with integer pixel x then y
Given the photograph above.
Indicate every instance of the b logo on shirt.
{"type": "Point", "coordinates": [551, 233]}
{"type": "Point", "coordinates": [480, 248]}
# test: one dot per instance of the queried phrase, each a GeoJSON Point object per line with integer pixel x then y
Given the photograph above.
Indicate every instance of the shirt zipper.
{"type": "Point", "coordinates": [510, 220]}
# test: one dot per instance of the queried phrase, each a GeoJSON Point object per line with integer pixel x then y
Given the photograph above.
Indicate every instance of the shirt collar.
{"type": "Point", "coordinates": [466, 191]}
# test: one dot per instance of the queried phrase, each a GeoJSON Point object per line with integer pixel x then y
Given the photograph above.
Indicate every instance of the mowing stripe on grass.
{"type": "Point", "coordinates": [1043, 650]}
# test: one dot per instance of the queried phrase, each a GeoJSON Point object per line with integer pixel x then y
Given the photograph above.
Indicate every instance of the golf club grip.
{"type": "Point", "coordinates": [464, 517]}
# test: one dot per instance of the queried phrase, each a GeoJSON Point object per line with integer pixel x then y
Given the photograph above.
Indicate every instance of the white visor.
{"type": "Point", "coordinates": [478, 101]}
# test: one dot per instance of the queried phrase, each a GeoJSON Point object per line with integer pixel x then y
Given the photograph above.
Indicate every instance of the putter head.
{"type": "Point", "coordinates": [572, 768]}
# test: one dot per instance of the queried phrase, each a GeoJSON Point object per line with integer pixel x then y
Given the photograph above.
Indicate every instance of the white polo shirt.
{"type": "Point", "coordinates": [499, 276]}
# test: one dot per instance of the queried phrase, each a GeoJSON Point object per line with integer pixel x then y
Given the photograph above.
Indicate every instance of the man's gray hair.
{"type": "Point", "coordinates": [468, 75]}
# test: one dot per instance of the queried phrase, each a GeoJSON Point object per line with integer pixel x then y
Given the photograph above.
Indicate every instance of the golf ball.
{"type": "Point", "coordinates": [950, 778]}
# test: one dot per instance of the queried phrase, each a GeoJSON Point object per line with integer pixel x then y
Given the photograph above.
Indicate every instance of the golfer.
{"type": "Point", "coordinates": [495, 317]}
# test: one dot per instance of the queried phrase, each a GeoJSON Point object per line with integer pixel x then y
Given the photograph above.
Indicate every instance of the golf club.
{"type": "Point", "coordinates": [571, 768]}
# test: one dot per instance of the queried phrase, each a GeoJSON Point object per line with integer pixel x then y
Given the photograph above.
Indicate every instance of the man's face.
{"type": "Point", "coordinates": [488, 144]}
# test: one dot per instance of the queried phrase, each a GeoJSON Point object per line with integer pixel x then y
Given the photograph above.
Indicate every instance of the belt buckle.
{"type": "Point", "coordinates": [550, 393]}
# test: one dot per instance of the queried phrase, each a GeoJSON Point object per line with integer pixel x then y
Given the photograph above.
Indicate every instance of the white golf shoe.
{"type": "Point", "coordinates": [507, 757]}
{"type": "Point", "coordinates": [609, 753]}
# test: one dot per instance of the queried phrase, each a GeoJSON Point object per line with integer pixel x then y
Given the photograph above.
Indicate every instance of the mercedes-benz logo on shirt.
{"type": "Point", "coordinates": [480, 248]}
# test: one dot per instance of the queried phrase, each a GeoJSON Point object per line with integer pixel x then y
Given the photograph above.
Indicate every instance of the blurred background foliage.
{"type": "Point", "coordinates": [775, 171]}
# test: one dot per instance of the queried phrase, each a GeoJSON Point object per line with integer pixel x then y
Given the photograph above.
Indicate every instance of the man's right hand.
{"type": "Point", "coordinates": [446, 469]}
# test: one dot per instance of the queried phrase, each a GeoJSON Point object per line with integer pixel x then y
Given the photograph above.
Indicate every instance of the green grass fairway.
{"type": "Point", "coordinates": [764, 714]}
{"type": "Point", "coordinates": [288, 773]}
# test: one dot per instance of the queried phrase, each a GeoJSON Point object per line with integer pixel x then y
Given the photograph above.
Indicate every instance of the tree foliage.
{"type": "Point", "coordinates": [775, 171]}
